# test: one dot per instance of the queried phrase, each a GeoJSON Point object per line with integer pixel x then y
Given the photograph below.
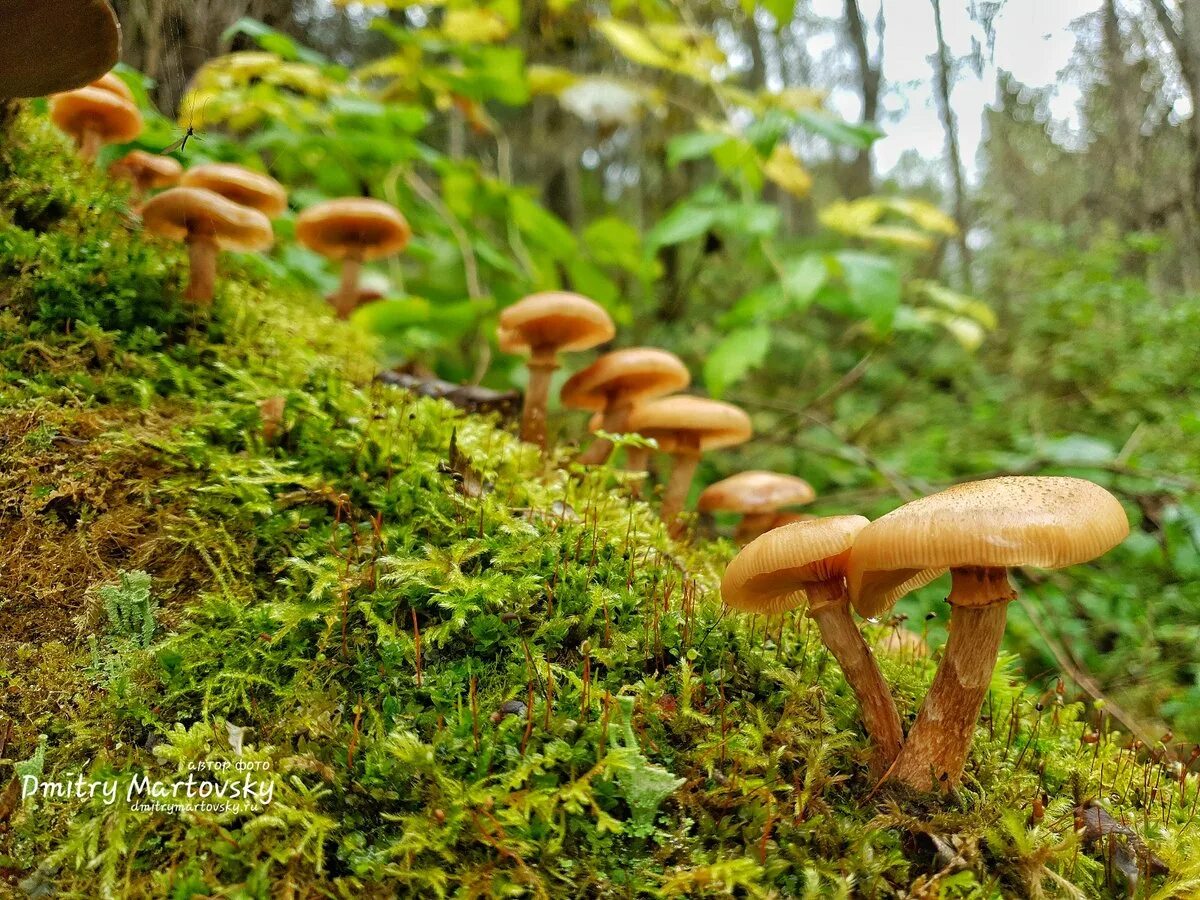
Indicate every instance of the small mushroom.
{"type": "Point", "coordinates": [614, 383]}
{"type": "Point", "coordinates": [685, 427]}
{"type": "Point", "coordinates": [208, 223]}
{"type": "Point", "coordinates": [54, 47]}
{"type": "Point", "coordinates": [806, 563]}
{"type": "Point", "coordinates": [147, 171]}
{"type": "Point", "coordinates": [541, 326]}
{"type": "Point", "coordinates": [241, 185]}
{"type": "Point", "coordinates": [352, 230]}
{"type": "Point", "coordinates": [978, 531]}
{"type": "Point", "coordinates": [95, 116]}
{"type": "Point", "coordinates": [758, 496]}
{"type": "Point", "coordinates": [114, 85]}
{"type": "Point", "coordinates": [372, 286]}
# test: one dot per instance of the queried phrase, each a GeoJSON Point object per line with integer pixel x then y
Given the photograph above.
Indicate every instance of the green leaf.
{"type": "Point", "coordinates": [614, 242]}
{"type": "Point", "coordinates": [803, 278]}
{"type": "Point", "coordinates": [838, 131]}
{"type": "Point", "coordinates": [756, 219]}
{"type": "Point", "coordinates": [781, 10]}
{"type": "Point", "coordinates": [734, 356]}
{"type": "Point", "coordinates": [694, 145]}
{"type": "Point", "coordinates": [272, 41]}
{"type": "Point", "coordinates": [872, 286]}
{"type": "Point", "coordinates": [685, 221]}
{"type": "Point", "coordinates": [541, 226]}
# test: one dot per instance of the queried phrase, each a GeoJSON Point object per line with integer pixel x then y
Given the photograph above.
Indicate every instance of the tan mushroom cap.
{"type": "Point", "coordinates": [756, 492]}
{"type": "Point", "coordinates": [684, 419]}
{"type": "Point", "coordinates": [182, 212]}
{"type": "Point", "coordinates": [114, 85]}
{"type": "Point", "coordinates": [553, 321]}
{"type": "Point", "coordinates": [770, 573]}
{"type": "Point", "coordinates": [353, 228]}
{"type": "Point", "coordinates": [241, 185]}
{"type": "Point", "coordinates": [625, 376]}
{"type": "Point", "coordinates": [1048, 522]}
{"type": "Point", "coordinates": [149, 169]}
{"type": "Point", "coordinates": [97, 110]}
{"type": "Point", "coordinates": [50, 47]}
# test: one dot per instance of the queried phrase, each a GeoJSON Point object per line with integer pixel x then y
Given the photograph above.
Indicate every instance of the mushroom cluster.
{"type": "Point", "coordinates": [977, 531]}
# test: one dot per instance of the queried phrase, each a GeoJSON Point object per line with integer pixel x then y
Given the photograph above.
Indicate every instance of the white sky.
{"type": "Point", "coordinates": [1034, 41]}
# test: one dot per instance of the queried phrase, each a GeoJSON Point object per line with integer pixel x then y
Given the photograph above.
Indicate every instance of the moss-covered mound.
{"type": "Point", "coordinates": [380, 648]}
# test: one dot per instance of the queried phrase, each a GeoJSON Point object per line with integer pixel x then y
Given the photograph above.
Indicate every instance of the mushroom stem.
{"type": "Point", "coordinates": [687, 459]}
{"type": "Point", "coordinates": [90, 143]}
{"type": "Point", "coordinates": [346, 298]}
{"type": "Point", "coordinates": [615, 420]}
{"type": "Point", "coordinates": [754, 524]}
{"type": "Point", "coordinates": [940, 739]}
{"type": "Point", "coordinates": [537, 395]}
{"type": "Point", "coordinates": [829, 607]}
{"type": "Point", "coordinates": [637, 459]}
{"type": "Point", "coordinates": [202, 258]}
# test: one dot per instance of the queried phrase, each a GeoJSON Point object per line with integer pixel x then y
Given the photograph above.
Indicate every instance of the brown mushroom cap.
{"type": "Point", "coordinates": [353, 228]}
{"type": "Point", "coordinates": [625, 376]}
{"type": "Point", "coordinates": [97, 110]}
{"type": "Point", "coordinates": [756, 492]}
{"type": "Point", "coordinates": [56, 45]}
{"type": "Point", "coordinates": [770, 573]}
{"type": "Point", "coordinates": [552, 321]}
{"type": "Point", "coordinates": [182, 212]}
{"type": "Point", "coordinates": [1049, 522]}
{"type": "Point", "coordinates": [148, 169]}
{"type": "Point", "coordinates": [114, 85]}
{"type": "Point", "coordinates": [241, 185]}
{"type": "Point", "coordinates": [685, 419]}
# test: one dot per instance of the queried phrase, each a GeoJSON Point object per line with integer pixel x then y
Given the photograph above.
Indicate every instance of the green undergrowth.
{"type": "Point", "coordinates": [446, 667]}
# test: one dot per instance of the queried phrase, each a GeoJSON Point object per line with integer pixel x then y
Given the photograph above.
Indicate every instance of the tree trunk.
{"type": "Point", "coordinates": [859, 175]}
{"type": "Point", "coordinates": [943, 82]}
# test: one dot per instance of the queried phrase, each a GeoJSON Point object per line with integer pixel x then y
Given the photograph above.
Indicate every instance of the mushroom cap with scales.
{"type": "Point", "coordinates": [149, 169]}
{"type": "Point", "coordinates": [97, 110]}
{"type": "Point", "coordinates": [180, 213]}
{"type": "Point", "coordinates": [625, 376]}
{"type": "Point", "coordinates": [554, 321]}
{"type": "Point", "coordinates": [756, 492]}
{"type": "Point", "coordinates": [683, 419]}
{"type": "Point", "coordinates": [56, 45]}
{"type": "Point", "coordinates": [359, 228]}
{"type": "Point", "coordinates": [241, 185]}
{"type": "Point", "coordinates": [1043, 521]}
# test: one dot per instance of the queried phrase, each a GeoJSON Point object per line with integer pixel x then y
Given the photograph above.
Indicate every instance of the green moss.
{"type": "Point", "coordinates": [463, 671]}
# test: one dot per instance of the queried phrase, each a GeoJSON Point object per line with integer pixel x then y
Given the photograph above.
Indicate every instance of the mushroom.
{"type": "Point", "coordinates": [95, 116]}
{"type": "Point", "coordinates": [114, 85]}
{"type": "Point", "coordinates": [241, 185]}
{"type": "Point", "coordinates": [208, 223]}
{"type": "Point", "coordinates": [978, 531]}
{"type": "Point", "coordinates": [541, 326]}
{"type": "Point", "coordinates": [352, 230]}
{"type": "Point", "coordinates": [614, 383]}
{"type": "Point", "coordinates": [55, 47]}
{"type": "Point", "coordinates": [372, 286]}
{"type": "Point", "coordinates": [806, 562]}
{"type": "Point", "coordinates": [758, 496]}
{"type": "Point", "coordinates": [685, 427]}
{"type": "Point", "coordinates": [147, 171]}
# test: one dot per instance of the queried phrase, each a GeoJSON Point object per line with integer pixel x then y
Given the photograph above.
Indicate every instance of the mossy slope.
{"type": "Point", "coordinates": [463, 672]}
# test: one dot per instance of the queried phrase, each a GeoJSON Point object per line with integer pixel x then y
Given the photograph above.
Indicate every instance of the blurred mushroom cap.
{"type": "Point", "coordinates": [770, 573]}
{"type": "Point", "coordinates": [353, 228]}
{"type": "Point", "coordinates": [756, 492]}
{"type": "Point", "coordinates": [625, 376]}
{"type": "Point", "coordinates": [185, 212]}
{"type": "Point", "coordinates": [149, 169]}
{"type": "Point", "coordinates": [1048, 522]}
{"type": "Point", "coordinates": [683, 419]}
{"type": "Point", "coordinates": [553, 321]}
{"type": "Point", "coordinates": [114, 85]}
{"type": "Point", "coordinates": [56, 45]}
{"type": "Point", "coordinates": [95, 109]}
{"type": "Point", "coordinates": [241, 185]}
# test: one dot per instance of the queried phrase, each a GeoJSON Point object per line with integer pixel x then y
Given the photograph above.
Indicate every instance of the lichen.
{"type": "Point", "coordinates": [467, 672]}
